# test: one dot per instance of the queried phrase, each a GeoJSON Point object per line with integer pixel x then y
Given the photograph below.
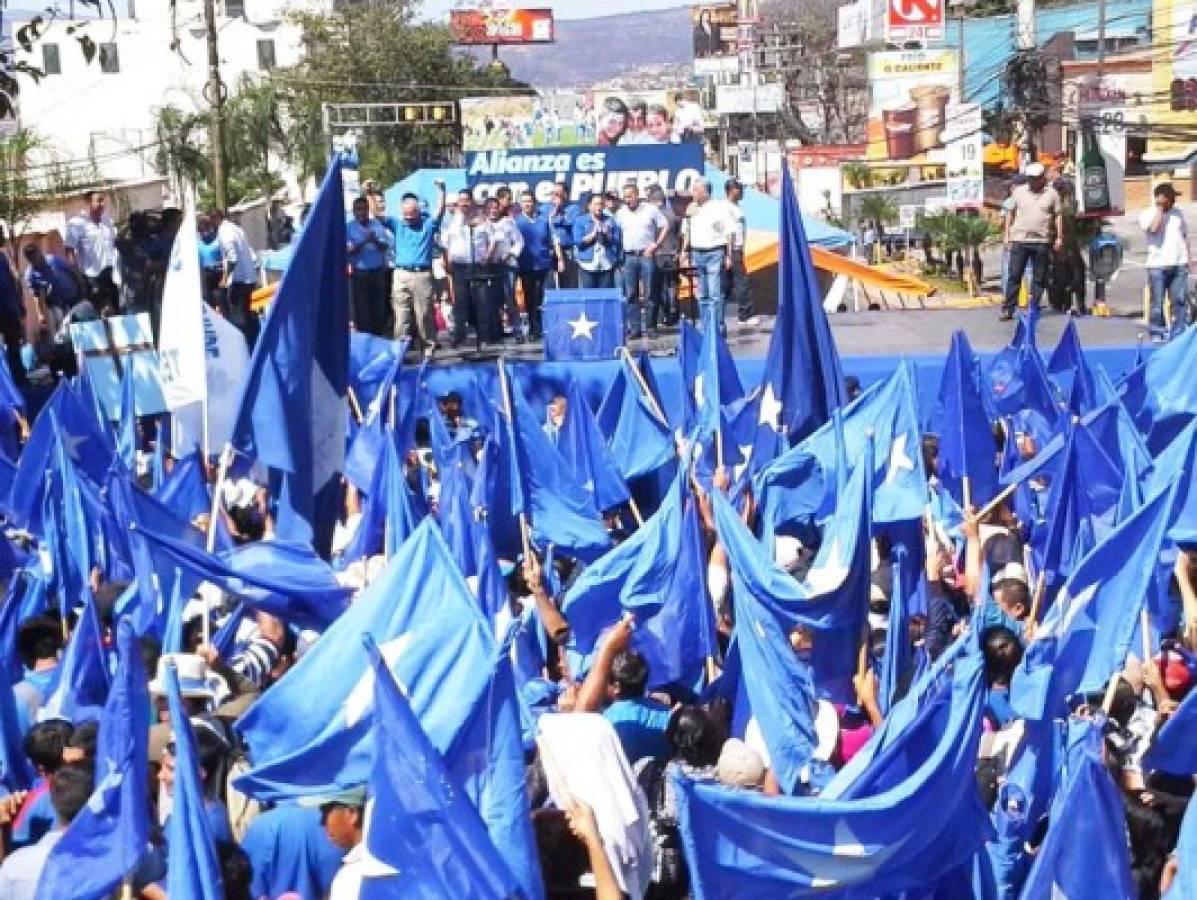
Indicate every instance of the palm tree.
{"type": "Point", "coordinates": [878, 210]}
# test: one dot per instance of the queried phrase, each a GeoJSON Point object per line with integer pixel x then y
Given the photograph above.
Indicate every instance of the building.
{"type": "Point", "coordinates": [100, 116]}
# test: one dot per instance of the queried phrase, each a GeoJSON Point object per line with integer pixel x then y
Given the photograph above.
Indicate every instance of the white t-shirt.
{"type": "Point", "coordinates": [739, 224]}
{"type": "Point", "coordinates": [1170, 245]}
{"type": "Point", "coordinates": [709, 225]}
{"type": "Point", "coordinates": [238, 253]}
{"type": "Point", "coordinates": [94, 243]}
{"type": "Point", "coordinates": [640, 226]}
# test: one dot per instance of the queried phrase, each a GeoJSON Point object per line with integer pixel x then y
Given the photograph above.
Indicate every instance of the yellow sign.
{"type": "Point", "coordinates": [1174, 77]}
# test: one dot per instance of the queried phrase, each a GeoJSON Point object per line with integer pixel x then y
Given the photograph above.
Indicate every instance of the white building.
{"type": "Point", "coordinates": [100, 115]}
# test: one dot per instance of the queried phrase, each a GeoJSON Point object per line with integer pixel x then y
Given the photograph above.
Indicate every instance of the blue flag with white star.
{"type": "Point", "coordinates": [1087, 633]}
{"type": "Point", "coordinates": [966, 446]}
{"type": "Point", "coordinates": [639, 438]}
{"type": "Point", "coordinates": [422, 827]}
{"type": "Point", "coordinates": [108, 837]}
{"type": "Point", "coordinates": [436, 640]}
{"type": "Point", "coordinates": [1070, 370]}
{"type": "Point", "coordinates": [801, 484]}
{"type": "Point", "coordinates": [1085, 855]}
{"type": "Point", "coordinates": [833, 597]}
{"type": "Point", "coordinates": [192, 869]}
{"type": "Point", "coordinates": [803, 380]}
{"type": "Point", "coordinates": [291, 417]}
{"type": "Point", "coordinates": [1173, 749]}
{"type": "Point", "coordinates": [904, 836]}
{"type": "Point", "coordinates": [586, 454]}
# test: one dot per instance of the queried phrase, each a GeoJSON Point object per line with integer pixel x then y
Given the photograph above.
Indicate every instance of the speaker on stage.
{"type": "Point", "coordinates": [582, 324]}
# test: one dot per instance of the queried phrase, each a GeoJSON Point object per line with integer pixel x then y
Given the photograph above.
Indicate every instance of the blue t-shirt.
{"type": "Point", "coordinates": [53, 281]}
{"type": "Point", "coordinates": [414, 244]}
{"type": "Point", "coordinates": [537, 253]}
{"type": "Point", "coordinates": [210, 254]}
{"type": "Point", "coordinates": [289, 851]}
{"type": "Point", "coordinates": [371, 256]}
{"type": "Point", "coordinates": [640, 725]}
{"type": "Point", "coordinates": [30, 694]}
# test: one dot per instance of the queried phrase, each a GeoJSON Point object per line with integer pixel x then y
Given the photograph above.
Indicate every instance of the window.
{"type": "Point", "coordinates": [51, 61]}
{"type": "Point", "coordinates": [110, 61]}
{"type": "Point", "coordinates": [234, 9]}
{"type": "Point", "coordinates": [266, 54]}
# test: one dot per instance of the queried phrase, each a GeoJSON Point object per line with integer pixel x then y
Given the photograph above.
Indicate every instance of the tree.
{"type": "Point", "coordinates": [350, 57]}
{"type": "Point", "coordinates": [181, 154]}
{"type": "Point", "coordinates": [31, 176]}
{"type": "Point", "coordinates": [878, 210]}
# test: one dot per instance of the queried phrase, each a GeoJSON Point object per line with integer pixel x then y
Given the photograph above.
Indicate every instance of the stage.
{"type": "Point", "coordinates": [870, 345]}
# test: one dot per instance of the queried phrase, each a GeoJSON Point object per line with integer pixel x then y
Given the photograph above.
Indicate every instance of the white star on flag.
{"type": "Point", "coordinates": [847, 863]}
{"type": "Point", "coordinates": [829, 571]}
{"type": "Point", "coordinates": [361, 699]}
{"type": "Point", "coordinates": [582, 327]}
{"type": "Point", "coordinates": [770, 413]}
{"type": "Point", "coordinates": [899, 459]}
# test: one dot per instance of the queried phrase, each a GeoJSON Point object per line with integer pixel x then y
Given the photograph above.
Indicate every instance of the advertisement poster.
{"type": "Point", "coordinates": [1174, 78]}
{"type": "Point", "coordinates": [1100, 159]}
{"type": "Point", "coordinates": [714, 27]}
{"type": "Point", "coordinates": [584, 170]}
{"type": "Point", "coordinates": [964, 148]}
{"type": "Point", "coordinates": [501, 26]}
{"type": "Point", "coordinates": [909, 93]}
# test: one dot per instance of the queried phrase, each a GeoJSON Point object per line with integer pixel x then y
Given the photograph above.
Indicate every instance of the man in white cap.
{"type": "Point", "coordinates": [1034, 221]}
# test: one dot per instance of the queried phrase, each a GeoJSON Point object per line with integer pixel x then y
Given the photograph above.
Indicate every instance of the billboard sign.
{"type": "Point", "coordinates": [909, 94]}
{"type": "Point", "coordinates": [715, 28]}
{"type": "Point", "coordinates": [501, 26]}
{"type": "Point", "coordinates": [1174, 81]}
{"type": "Point", "coordinates": [569, 119]}
{"type": "Point", "coordinates": [740, 99]}
{"type": "Point", "coordinates": [584, 170]}
{"type": "Point", "coordinates": [913, 20]}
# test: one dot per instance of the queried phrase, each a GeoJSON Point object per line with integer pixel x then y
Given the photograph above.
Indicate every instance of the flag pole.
{"type": "Point", "coordinates": [204, 431]}
{"type": "Point", "coordinates": [644, 388]}
{"type": "Point", "coordinates": [1037, 599]}
{"type": "Point", "coordinates": [1145, 632]}
{"type": "Point", "coordinates": [967, 491]}
{"type": "Point", "coordinates": [505, 390]}
{"type": "Point", "coordinates": [995, 502]}
{"type": "Point", "coordinates": [635, 512]}
{"type": "Point", "coordinates": [394, 393]}
{"type": "Point", "coordinates": [222, 474]}
{"type": "Point", "coordinates": [1108, 702]}
{"type": "Point", "coordinates": [353, 404]}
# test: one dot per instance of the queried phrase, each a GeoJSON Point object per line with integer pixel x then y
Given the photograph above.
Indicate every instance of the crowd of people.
{"type": "Point", "coordinates": [492, 261]}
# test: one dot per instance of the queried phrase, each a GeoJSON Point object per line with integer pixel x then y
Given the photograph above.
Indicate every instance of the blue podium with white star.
{"type": "Point", "coordinates": [582, 324]}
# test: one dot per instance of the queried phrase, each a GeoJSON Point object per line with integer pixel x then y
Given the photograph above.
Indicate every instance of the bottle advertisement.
{"type": "Point", "coordinates": [1100, 159]}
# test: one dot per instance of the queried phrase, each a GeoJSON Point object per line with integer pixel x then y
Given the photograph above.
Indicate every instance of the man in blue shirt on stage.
{"type": "Point", "coordinates": [412, 296]}
{"type": "Point", "coordinates": [597, 238]}
{"type": "Point", "coordinates": [537, 258]}
{"type": "Point", "coordinates": [368, 245]}
{"type": "Point", "coordinates": [561, 215]}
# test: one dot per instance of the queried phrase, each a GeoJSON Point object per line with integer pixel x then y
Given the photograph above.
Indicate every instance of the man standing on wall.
{"type": "Point", "coordinates": [1034, 215]}
{"type": "Point", "coordinates": [644, 229]}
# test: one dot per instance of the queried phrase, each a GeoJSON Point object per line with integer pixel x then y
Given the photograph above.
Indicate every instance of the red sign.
{"type": "Point", "coordinates": [913, 20]}
{"type": "Point", "coordinates": [502, 26]}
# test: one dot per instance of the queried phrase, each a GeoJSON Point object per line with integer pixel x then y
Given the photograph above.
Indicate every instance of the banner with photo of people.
{"type": "Point", "coordinates": [576, 119]}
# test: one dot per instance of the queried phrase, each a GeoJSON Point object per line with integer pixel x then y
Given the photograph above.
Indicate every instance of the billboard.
{"type": "Point", "coordinates": [715, 29]}
{"type": "Point", "coordinates": [501, 26]}
{"type": "Point", "coordinates": [1174, 79]}
{"type": "Point", "coordinates": [909, 93]}
{"type": "Point", "coordinates": [737, 99]}
{"type": "Point", "coordinates": [568, 119]}
{"type": "Point", "coordinates": [584, 170]}
{"type": "Point", "coordinates": [913, 20]}
{"type": "Point", "coordinates": [964, 145]}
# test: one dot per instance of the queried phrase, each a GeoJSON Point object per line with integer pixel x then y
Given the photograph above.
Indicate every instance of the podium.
{"type": "Point", "coordinates": [582, 324]}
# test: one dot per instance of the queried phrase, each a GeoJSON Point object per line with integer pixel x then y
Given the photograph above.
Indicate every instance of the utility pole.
{"type": "Point", "coordinates": [1101, 41]}
{"type": "Point", "coordinates": [214, 91]}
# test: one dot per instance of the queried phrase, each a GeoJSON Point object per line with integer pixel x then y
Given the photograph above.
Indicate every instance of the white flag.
{"type": "Point", "coordinates": [182, 335]}
{"type": "Point", "coordinates": [227, 361]}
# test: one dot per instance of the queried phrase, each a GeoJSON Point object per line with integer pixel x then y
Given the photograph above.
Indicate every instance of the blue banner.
{"type": "Point", "coordinates": [585, 170]}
